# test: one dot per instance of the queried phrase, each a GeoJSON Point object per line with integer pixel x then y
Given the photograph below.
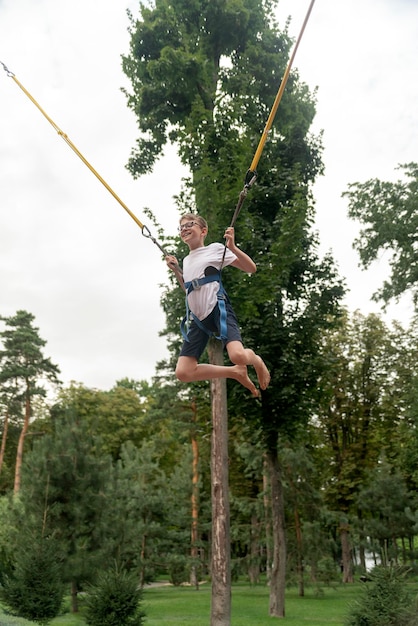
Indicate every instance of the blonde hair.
{"type": "Point", "coordinates": [195, 218]}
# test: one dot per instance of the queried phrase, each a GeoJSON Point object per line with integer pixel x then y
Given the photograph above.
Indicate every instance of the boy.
{"type": "Point", "coordinates": [203, 303]}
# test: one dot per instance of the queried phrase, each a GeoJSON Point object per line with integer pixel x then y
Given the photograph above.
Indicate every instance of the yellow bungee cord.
{"type": "Point", "coordinates": [145, 230]}
{"type": "Point", "coordinates": [251, 175]}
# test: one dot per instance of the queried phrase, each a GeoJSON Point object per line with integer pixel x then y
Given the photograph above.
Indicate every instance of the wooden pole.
{"type": "Point", "coordinates": [194, 573]}
{"type": "Point", "coordinates": [221, 542]}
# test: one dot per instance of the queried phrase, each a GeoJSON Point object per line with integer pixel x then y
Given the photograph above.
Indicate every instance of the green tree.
{"type": "Point", "coordinates": [181, 436]}
{"type": "Point", "coordinates": [355, 418]}
{"type": "Point", "coordinates": [310, 548]}
{"type": "Point", "coordinates": [66, 477]}
{"type": "Point", "coordinates": [34, 588]}
{"type": "Point", "coordinates": [24, 367]}
{"type": "Point", "coordinates": [10, 408]}
{"type": "Point", "coordinates": [287, 327]}
{"type": "Point", "coordinates": [388, 214]}
{"type": "Point", "coordinates": [114, 600]}
{"type": "Point", "coordinates": [115, 416]}
{"type": "Point", "coordinates": [402, 449]}
{"type": "Point", "coordinates": [150, 511]}
{"type": "Point", "coordinates": [384, 501]}
{"type": "Point", "coordinates": [385, 601]}
{"type": "Point", "coordinates": [204, 75]}
{"type": "Point", "coordinates": [177, 77]}
{"type": "Point", "coordinates": [248, 536]}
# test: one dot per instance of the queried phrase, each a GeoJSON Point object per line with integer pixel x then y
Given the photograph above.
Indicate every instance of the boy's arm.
{"type": "Point", "coordinates": [175, 267]}
{"type": "Point", "coordinates": [243, 261]}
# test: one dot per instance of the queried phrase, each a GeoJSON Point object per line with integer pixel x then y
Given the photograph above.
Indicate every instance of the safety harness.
{"type": "Point", "coordinates": [195, 285]}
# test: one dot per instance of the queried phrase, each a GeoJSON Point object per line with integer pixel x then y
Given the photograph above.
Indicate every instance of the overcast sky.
{"type": "Point", "coordinates": [71, 255]}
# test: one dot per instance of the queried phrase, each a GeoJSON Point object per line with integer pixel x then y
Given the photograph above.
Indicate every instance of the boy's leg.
{"type": "Point", "coordinates": [189, 370]}
{"type": "Point", "coordinates": [245, 356]}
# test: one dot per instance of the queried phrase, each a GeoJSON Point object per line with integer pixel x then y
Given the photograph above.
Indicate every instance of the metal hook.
{"type": "Point", "coordinates": [6, 69]}
{"type": "Point", "coordinates": [147, 233]}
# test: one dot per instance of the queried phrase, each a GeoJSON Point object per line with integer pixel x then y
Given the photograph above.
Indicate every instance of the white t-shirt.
{"type": "Point", "coordinates": [202, 301]}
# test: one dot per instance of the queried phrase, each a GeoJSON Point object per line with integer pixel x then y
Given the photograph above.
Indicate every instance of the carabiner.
{"type": "Point", "coordinates": [6, 69]}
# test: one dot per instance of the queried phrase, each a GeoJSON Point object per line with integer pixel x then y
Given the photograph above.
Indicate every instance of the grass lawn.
{"type": "Point", "coordinates": [183, 606]}
{"type": "Point", "coordinates": [168, 606]}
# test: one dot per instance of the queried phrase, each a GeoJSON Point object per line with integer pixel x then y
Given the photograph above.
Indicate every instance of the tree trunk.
{"type": "Point", "coordinates": [278, 570]}
{"type": "Point", "coordinates": [362, 542]}
{"type": "Point", "coordinates": [74, 597]}
{"type": "Point", "coordinates": [254, 566]}
{"type": "Point", "coordinates": [299, 540]}
{"type": "Point", "coordinates": [404, 551]}
{"type": "Point", "coordinates": [362, 556]}
{"type": "Point", "coordinates": [221, 557]}
{"type": "Point", "coordinates": [194, 572]}
{"type": "Point", "coordinates": [347, 563]}
{"type": "Point", "coordinates": [299, 553]}
{"type": "Point", "coordinates": [4, 438]}
{"type": "Point", "coordinates": [142, 569]}
{"type": "Point", "coordinates": [19, 454]}
{"type": "Point", "coordinates": [267, 513]}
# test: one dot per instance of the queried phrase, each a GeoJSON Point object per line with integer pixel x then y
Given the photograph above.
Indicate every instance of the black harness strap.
{"type": "Point", "coordinates": [196, 284]}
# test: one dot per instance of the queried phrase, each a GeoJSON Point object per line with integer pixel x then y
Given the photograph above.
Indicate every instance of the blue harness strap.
{"type": "Point", "coordinates": [196, 284]}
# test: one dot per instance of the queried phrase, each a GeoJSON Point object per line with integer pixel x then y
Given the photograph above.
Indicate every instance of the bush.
{"type": "Point", "coordinates": [34, 589]}
{"type": "Point", "coordinates": [115, 600]}
{"type": "Point", "coordinates": [178, 569]}
{"type": "Point", "coordinates": [385, 601]}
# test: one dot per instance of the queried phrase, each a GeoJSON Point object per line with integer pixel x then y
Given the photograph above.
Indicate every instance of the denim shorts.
{"type": "Point", "coordinates": [198, 339]}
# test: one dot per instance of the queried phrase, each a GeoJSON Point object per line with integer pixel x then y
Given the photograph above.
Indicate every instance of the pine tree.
{"type": "Point", "coordinates": [385, 601]}
{"type": "Point", "coordinates": [34, 589]}
{"type": "Point", "coordinates": [66, 477]}
{"type": "Point", "coordinates": [24, 366]}
{"type": "Point", "coordinates": [115, 600]}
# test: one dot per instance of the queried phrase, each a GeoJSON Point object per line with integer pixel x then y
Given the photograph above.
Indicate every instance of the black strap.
{"type": "Point", "coordinates": [196, 284]}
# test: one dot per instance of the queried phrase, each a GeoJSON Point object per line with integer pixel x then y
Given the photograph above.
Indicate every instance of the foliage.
{"type": "Point", "coordinates": [11, 410]}
{"type": "Point", "coordinates": [34, 589]}
{"type": "Point", "coordinates": [385, 601]}
{"type": "Point", "coordinates": [113, 416]}
{"type": "Point", "coordinates": [354, 417]}
{"type": "Point", "coordinates": [388, 214]}
{"type": "Point", "coordinates": [22, 363]}
{"type": "Point", "coordinates": [382, 503]}
{"type": "Point", "coordinates": [23, 371]}
{"type": "Point", "coordinates": [115, 600]}
{"type": "Point", "coordinates": [64, 488]}
{"type": "Point", "coordinates": [178, 568]}
{"type": "Point", "coordinates": [150, 513]}
{"type": "Point", "coordinates": [138, 516]}
{"type": "Point", "coordinates": [176, 71]}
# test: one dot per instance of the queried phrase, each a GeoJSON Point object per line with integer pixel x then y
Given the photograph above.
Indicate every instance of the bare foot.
{"type": "Point", "coordinates": [263, 374]}
{"type": "Point", "coordinates": [243, 378]}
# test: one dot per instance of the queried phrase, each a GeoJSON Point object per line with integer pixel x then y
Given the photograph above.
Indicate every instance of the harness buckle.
{"type": "Point", "coordinates": [196, 284]}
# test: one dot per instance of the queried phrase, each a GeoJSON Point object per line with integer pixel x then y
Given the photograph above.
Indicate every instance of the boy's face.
{"type": "Point", "coordinates": [192, 233]}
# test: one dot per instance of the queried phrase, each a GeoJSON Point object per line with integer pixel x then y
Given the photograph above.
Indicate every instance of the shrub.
{"type": "Point", "coordinates": [178, 569]}
{"type": "Point", "coordinates": [385, 601]}
{"type": "Point", "coordinates": [115, 600]}
{"type": "Point", "coordinates": [34, 588]}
